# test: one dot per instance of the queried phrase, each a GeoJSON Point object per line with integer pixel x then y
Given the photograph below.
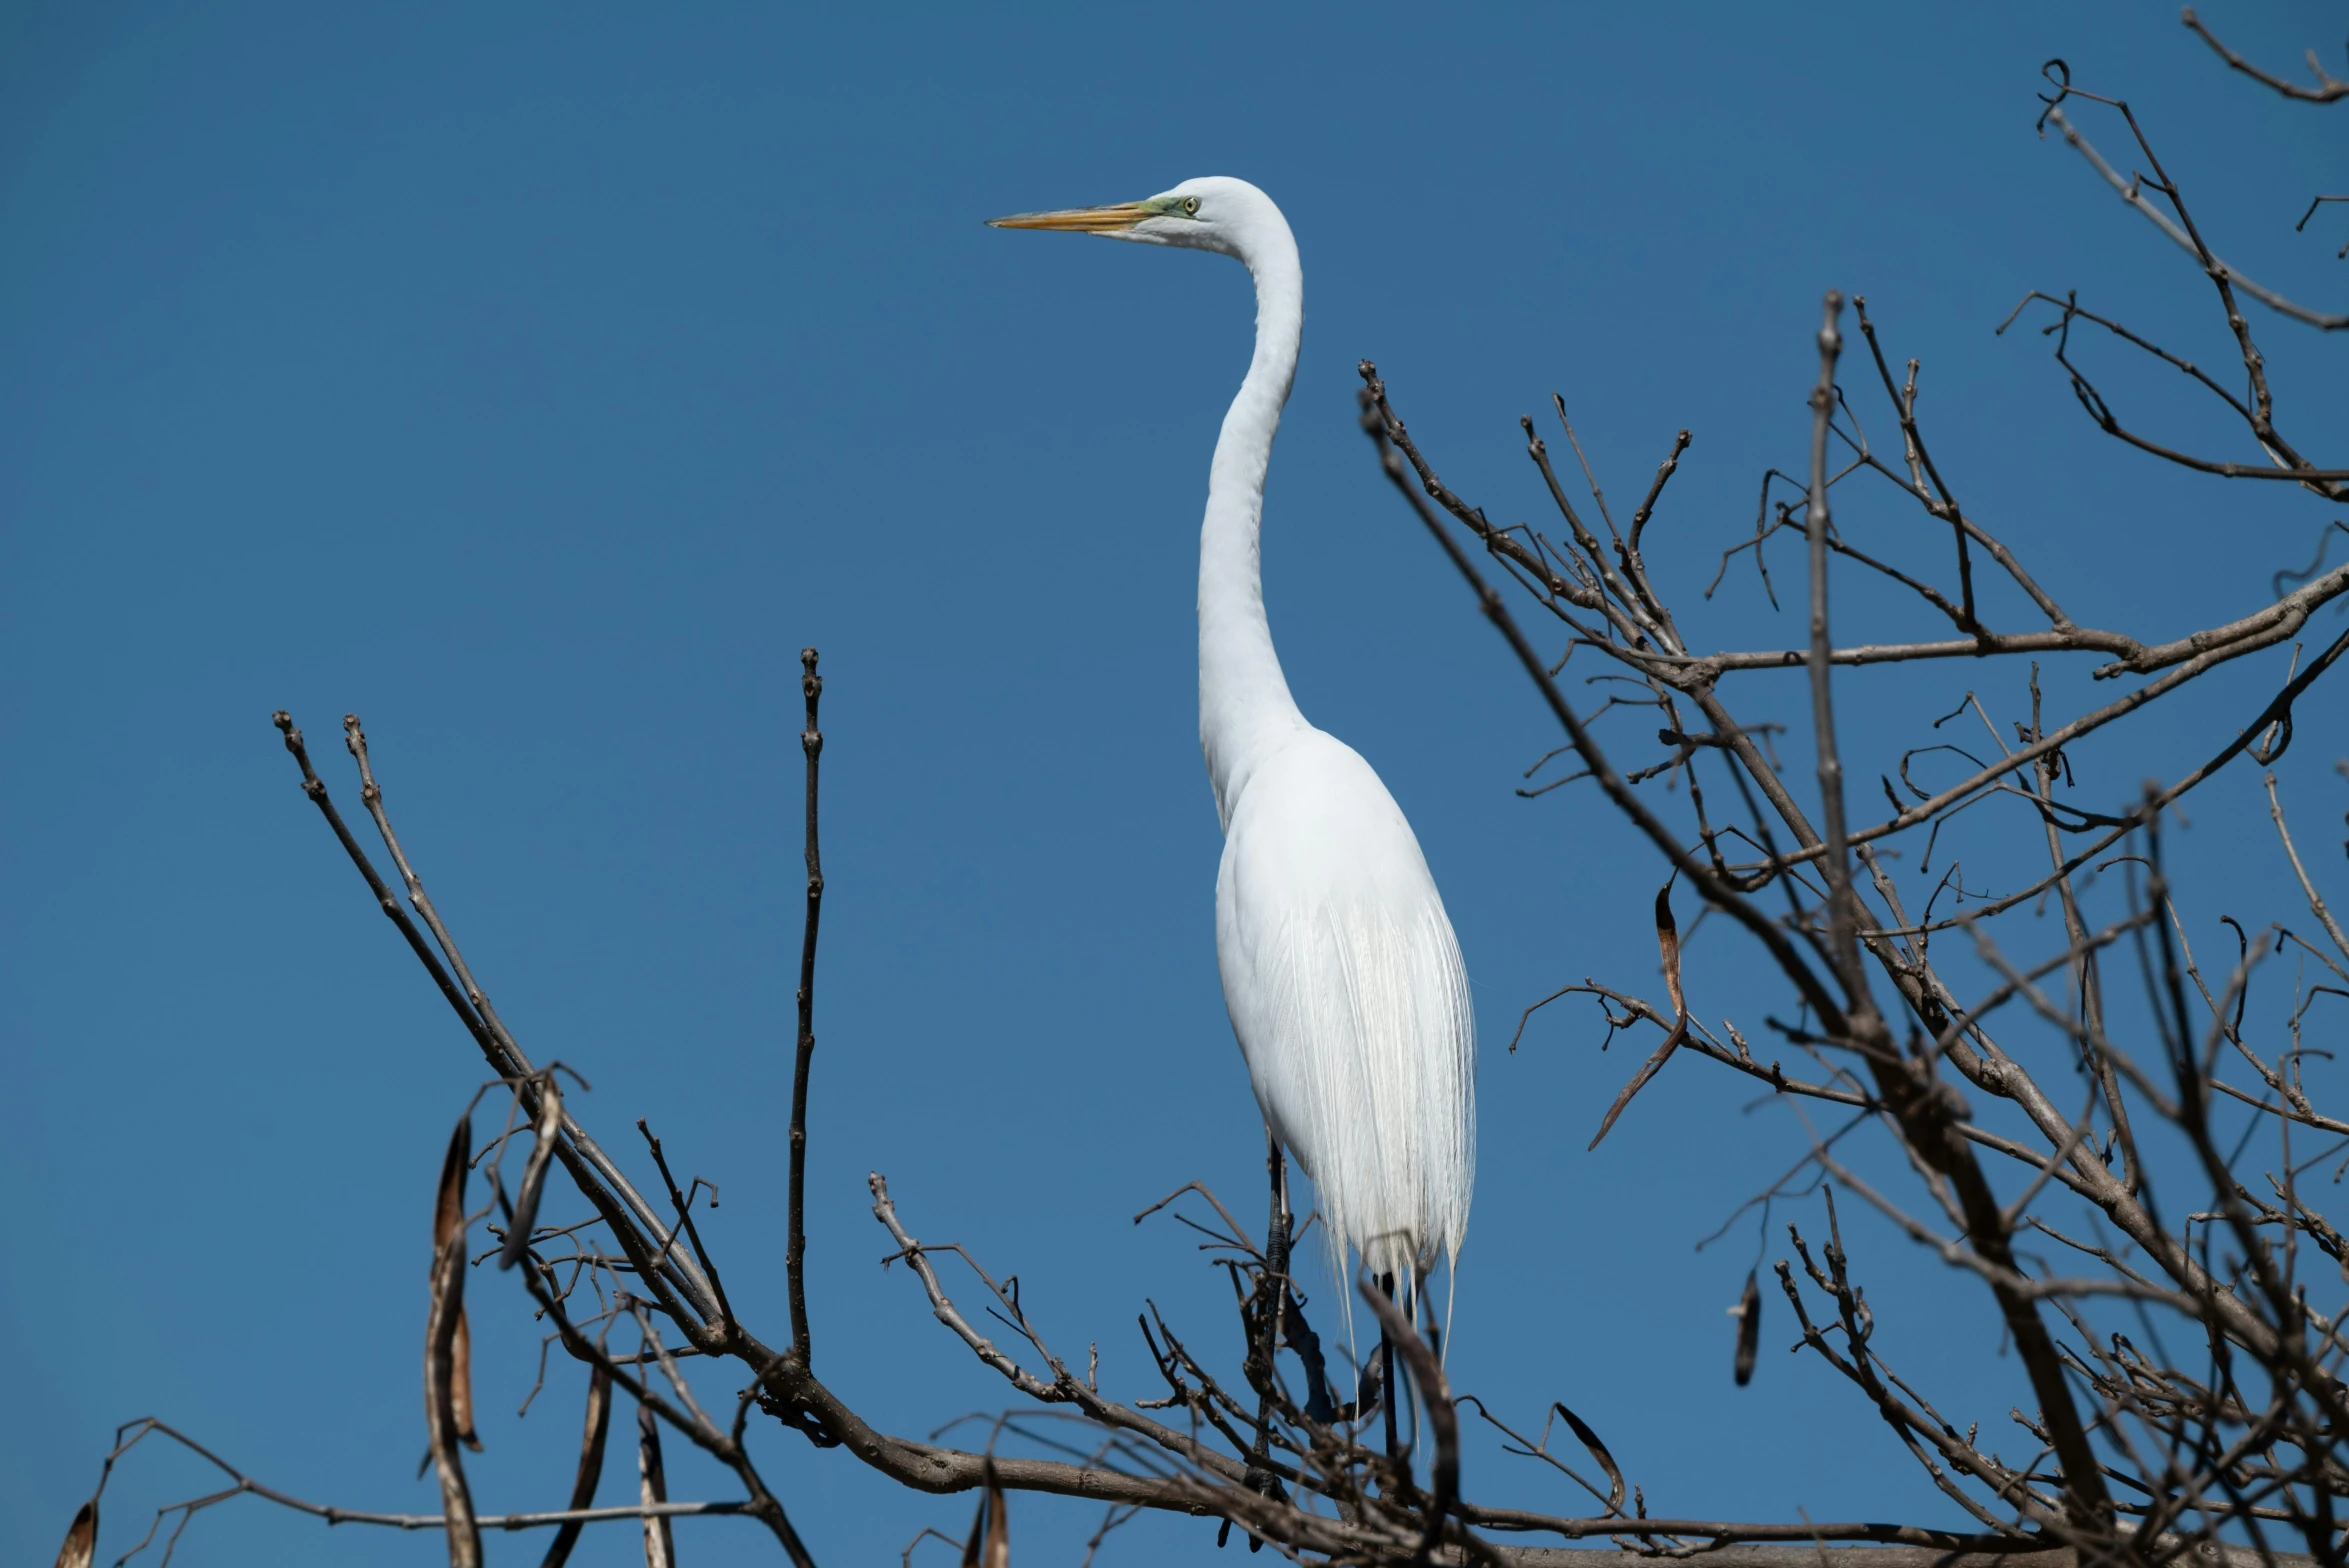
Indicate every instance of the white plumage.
{"type": "Point", "coordinates": [1340, 970]}
{"type": "Point", "coordinates": [1346, 990]}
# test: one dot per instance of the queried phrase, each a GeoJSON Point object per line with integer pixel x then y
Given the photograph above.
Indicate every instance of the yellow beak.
{"type": "Point", "coordinates": [1112, 219]}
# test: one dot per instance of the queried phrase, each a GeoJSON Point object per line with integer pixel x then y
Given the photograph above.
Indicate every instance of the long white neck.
{"type": "Point", "coordinates": [1244, 701]}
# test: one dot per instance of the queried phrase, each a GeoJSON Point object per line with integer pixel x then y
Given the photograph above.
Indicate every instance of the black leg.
{"type": "Point", "coordinates": [1276, 1246]}
{"type": "Point", "coordinates": [1386, 1370]}
{"type": "Point", "coordinates": [1272, 1298]}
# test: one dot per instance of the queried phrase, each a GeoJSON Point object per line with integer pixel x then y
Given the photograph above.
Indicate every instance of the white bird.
{"type": "Point", "coordinates": [1340, 970]}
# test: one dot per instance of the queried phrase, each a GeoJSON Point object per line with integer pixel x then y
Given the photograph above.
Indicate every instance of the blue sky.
{"type": "Point", "coordinates": [535, 381]}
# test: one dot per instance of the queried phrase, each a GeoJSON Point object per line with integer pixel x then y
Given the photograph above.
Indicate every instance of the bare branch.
{"type": "Point", "coordinates": [2327, 87]}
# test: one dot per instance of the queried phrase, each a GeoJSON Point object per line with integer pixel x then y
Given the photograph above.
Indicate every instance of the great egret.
{"type": "Point", "coordinates": [1340, 970]}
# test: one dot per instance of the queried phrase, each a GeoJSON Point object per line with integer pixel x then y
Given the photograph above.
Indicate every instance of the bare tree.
{"type": "Point", "coordinates": [2184, 1349]}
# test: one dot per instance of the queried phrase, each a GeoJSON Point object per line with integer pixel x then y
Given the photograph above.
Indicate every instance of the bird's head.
{"type": "Point", "coordinates": [1215, 213]}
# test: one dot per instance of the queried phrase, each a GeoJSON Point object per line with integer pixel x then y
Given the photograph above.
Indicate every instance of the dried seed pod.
{"type": "Point", "coordinates": [1668, 946]}
{"type": "Point", "coordinates": [81, 1540]}
{"type": "Point", "coordinates": [1748, 1312]}
{"type": "Point", "coordinates": [448, 1227]}
{"type": "Point", "coordinates": [448, 1394]}
{"type": "Point", "coordinates": [1598, 1450]}
{"type": "Point", "coordinates": [660, 1541]}
{"type": "Point", "coordinates": [591, 1465]}
{"type": "Point", "coordinates": [549, 1128]}
{"type": "Point", "coordinates": [990, 1542]}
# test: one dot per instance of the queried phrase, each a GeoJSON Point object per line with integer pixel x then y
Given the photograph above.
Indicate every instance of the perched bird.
{"type": "Point", "coordinates": [1340, 970]}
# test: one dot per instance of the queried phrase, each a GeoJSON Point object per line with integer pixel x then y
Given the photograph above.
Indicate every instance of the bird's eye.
{"type": "Point", "coordinates": [1191, 206]}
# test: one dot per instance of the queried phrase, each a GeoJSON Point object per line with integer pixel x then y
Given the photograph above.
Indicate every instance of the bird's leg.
{"type": "Point", "coordinates": [1272, 1295]}
{"type": "Point", "coordinates": [1386, 1369]}
{"type": "Point", "coordinates": [1423, 1313]}
{"type": "Point", "coordinates": [1276, 1261]}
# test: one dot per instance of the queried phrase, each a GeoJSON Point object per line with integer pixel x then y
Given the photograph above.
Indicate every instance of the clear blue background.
{"type": "Point", "coordinates": [536, 381]}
